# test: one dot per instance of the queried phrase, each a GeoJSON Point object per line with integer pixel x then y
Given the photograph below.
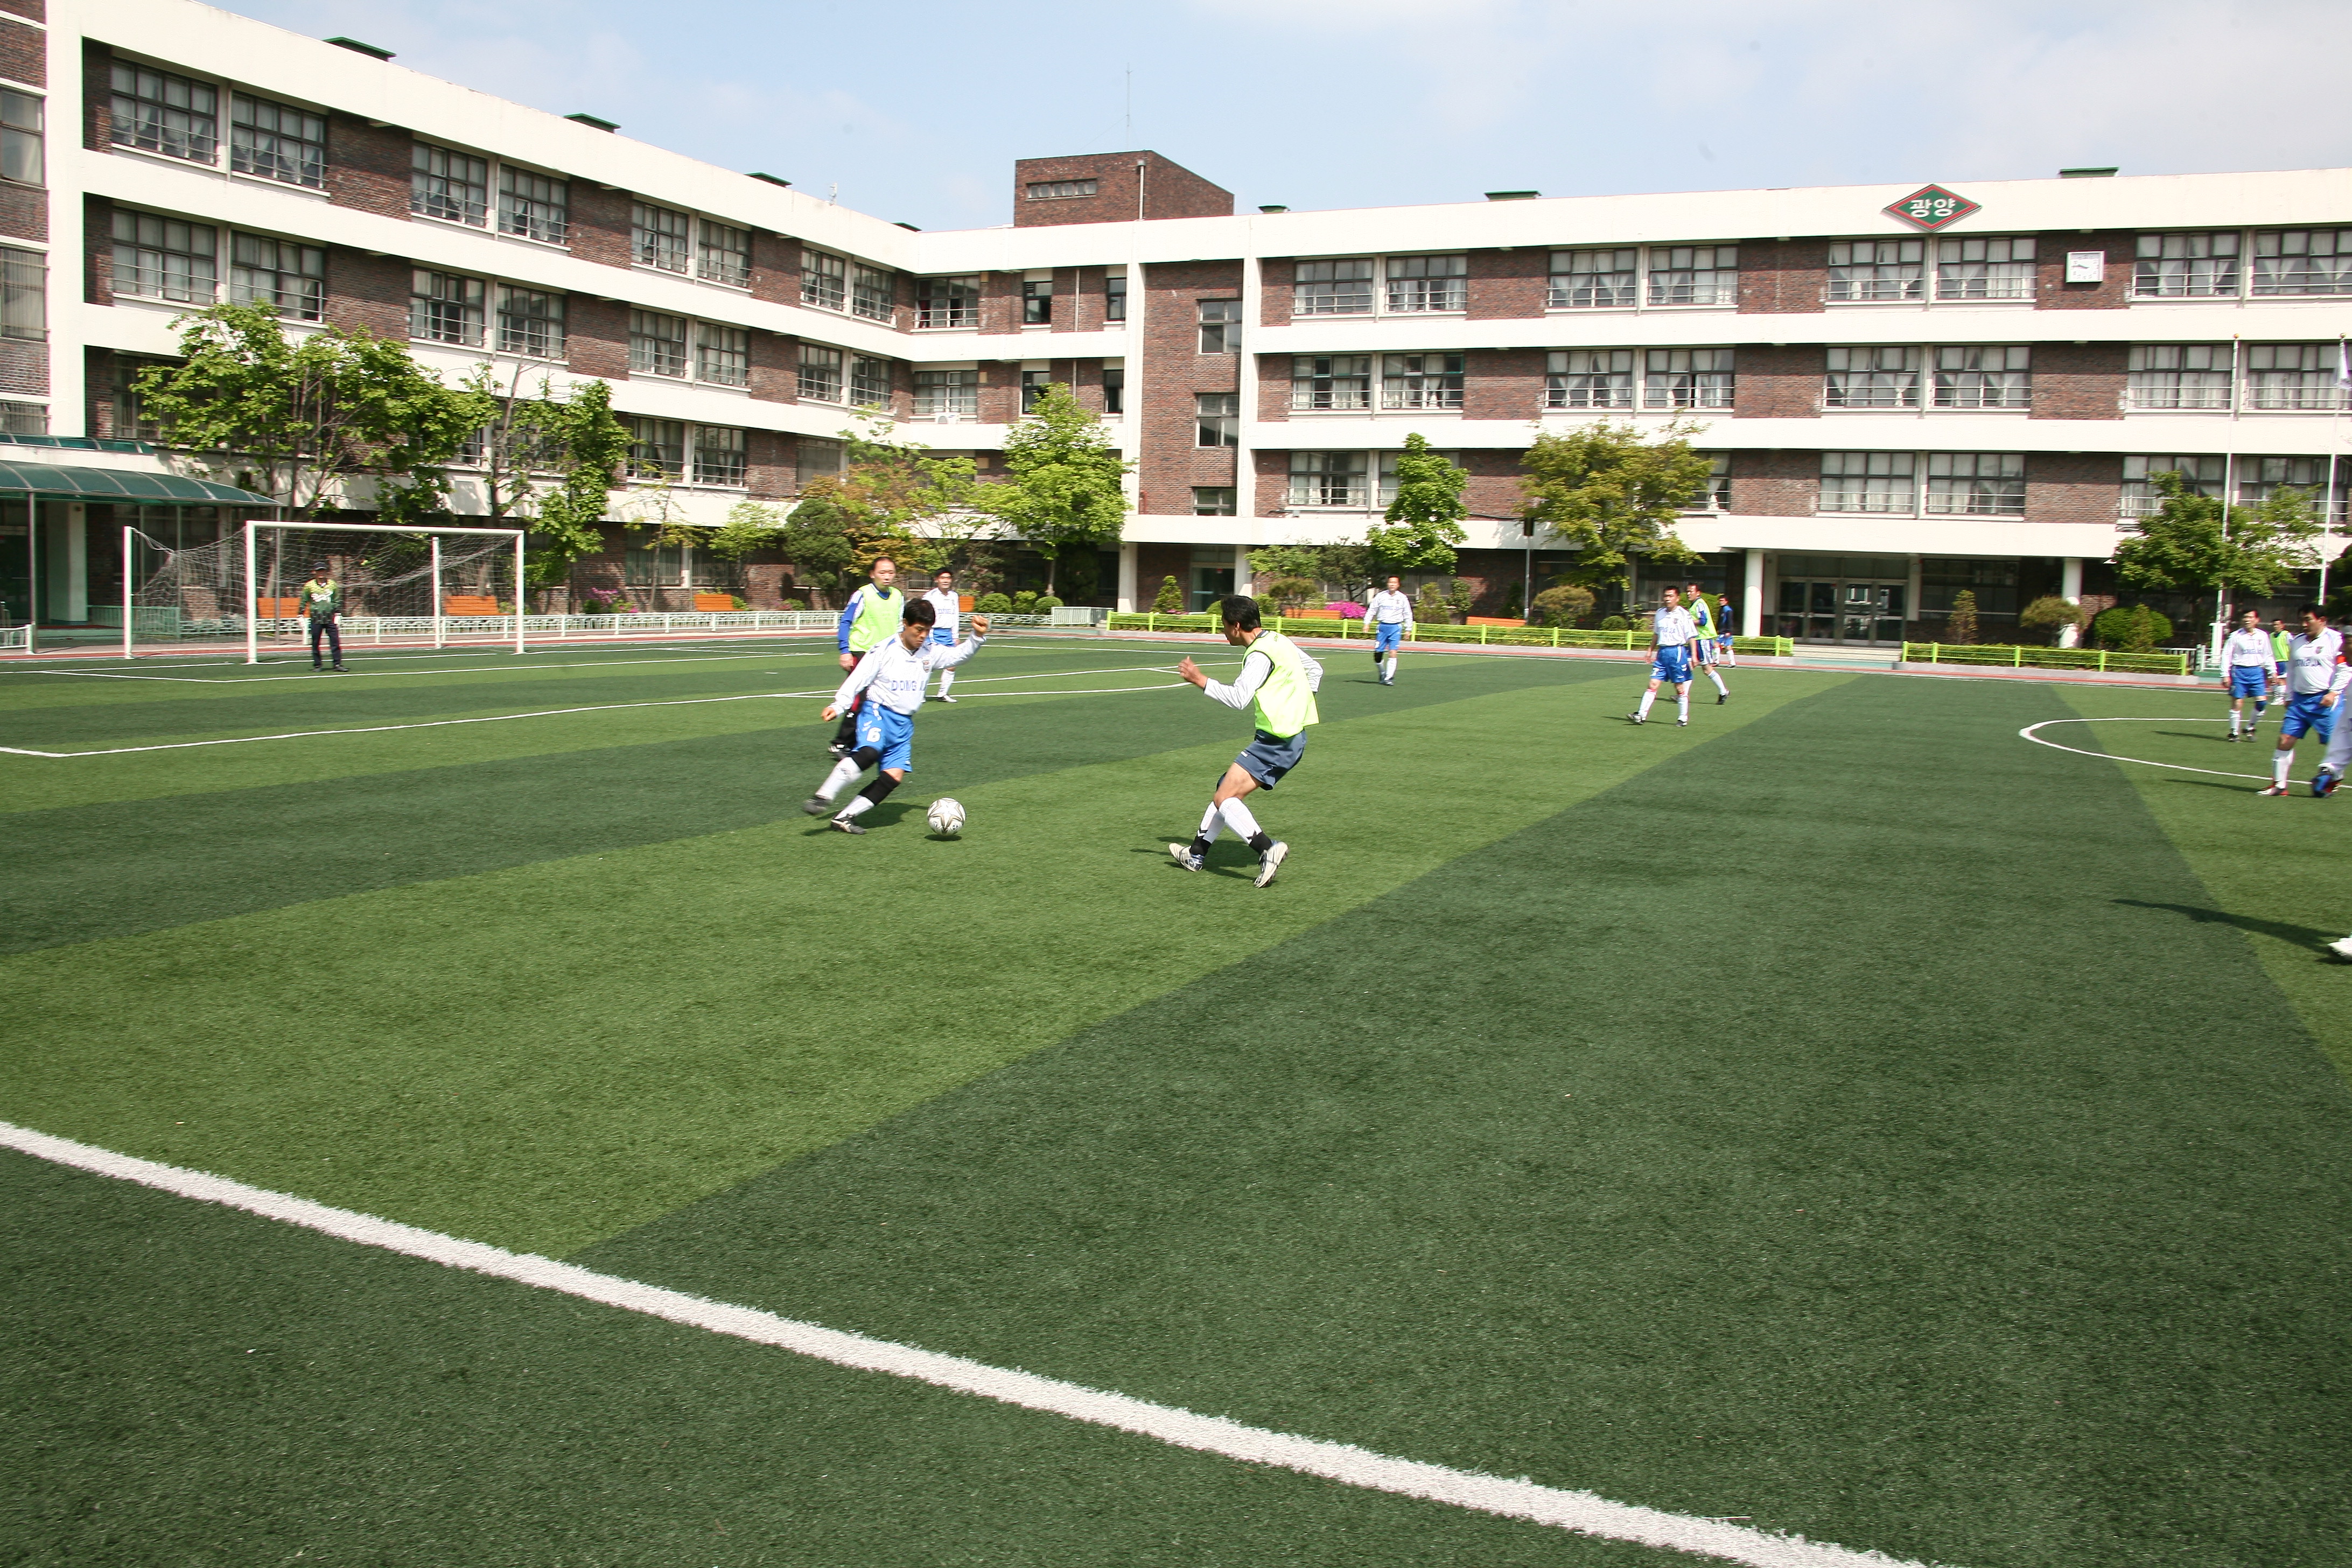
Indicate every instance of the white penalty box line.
{"type": "Point", "coordinates": [1583, 1512]}
{"type": "Point", "coordinates": [2028, 733]}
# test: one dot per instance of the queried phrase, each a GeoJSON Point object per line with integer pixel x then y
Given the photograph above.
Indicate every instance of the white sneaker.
{"type": "Point", "coordinates": [1183, 856]}
{"type": "Point", "coordinates": [945, 698]}
{"type": "Point", "coordinates": [1271, 861]}
{"type": "Point", "coordinates": [2342, 950]}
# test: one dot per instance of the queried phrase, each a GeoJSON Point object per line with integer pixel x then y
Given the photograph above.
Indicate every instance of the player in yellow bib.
{"type": "Point", "coordinates": [871, 618]}
{"type": "Point", "coordinates": [1705, 649]}
{"type": "Point", "coordinates": [1277, 682]}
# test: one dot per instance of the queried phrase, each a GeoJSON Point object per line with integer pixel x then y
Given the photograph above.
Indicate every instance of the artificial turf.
{"type": "Point", "coordinates": [1843, 1114]}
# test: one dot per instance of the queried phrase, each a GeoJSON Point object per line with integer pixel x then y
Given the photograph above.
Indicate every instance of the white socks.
{"type": "Point", "coordinates": [1711, 674]}
{"type": "Point", "coordinates": [946, 678]}
{"type": "Point", "coordinates": [843, 771]}
{"type": "Point", "coordinates": [2280, 762]}
{"type": "Point", "coordinates": [1238, 818]}
{"type": "Point", "coordinates": [858, 802]}
{"type": "Point", "coordinates": [1212, 823]}
{"type": "Point", "coordinates": [1389, 672]}
{"type": "Point", "coordinates": [1682, 705]}
{"type": "Point", "coordinates": [1647, 697]}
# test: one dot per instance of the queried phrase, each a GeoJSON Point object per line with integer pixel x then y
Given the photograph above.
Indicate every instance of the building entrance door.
{"type": "Point", "coordinates": [1846, 610]}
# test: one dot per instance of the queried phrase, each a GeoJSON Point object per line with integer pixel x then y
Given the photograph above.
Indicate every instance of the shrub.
{"type": "Point", "coordinates": [1170, 600]}
{"type": "Point", "coordinates": [1347, 610]}
{"type": "Point", "coordinates": [1616, 624]}
{"type": "Point", "coordinates": [1045, 605]}
{"type": "Point", "coordinates": [993, 605]}
{"type": "Point", "coordinates": [2134, 630]}
{"type": "Point", "coordinates": [1025, 602]}
{"type": "Point", "coordinates": [1960, 625]}
{"type": "Point", "coordinates": [1511, 596]}
{"type": "Point", "coordinates": [1563, 606]}
{"type": "Point", "coordinates": [2050, 615]}
{"type": "Point", "coordinates": [1288, 592]}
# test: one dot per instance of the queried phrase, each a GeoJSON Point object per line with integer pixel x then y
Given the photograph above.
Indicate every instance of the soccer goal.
{"type": "Point", "coordinates": [409, 585]}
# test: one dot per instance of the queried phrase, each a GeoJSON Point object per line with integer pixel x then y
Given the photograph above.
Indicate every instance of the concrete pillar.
{"type": "Point", "coordinates": [1241, 568]}
{"type": "Point", "coordinates": [65, 551]}
{"type": "Point", "coordinates": [2070, 588]}
{"type": "Point", "coordinates": [1751, 598]}
{"type": "Point", "coordinates": [1126, 598]}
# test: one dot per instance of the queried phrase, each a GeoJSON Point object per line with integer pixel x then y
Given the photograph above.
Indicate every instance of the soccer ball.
{"type": "Point", "coordinates": [947, 817]}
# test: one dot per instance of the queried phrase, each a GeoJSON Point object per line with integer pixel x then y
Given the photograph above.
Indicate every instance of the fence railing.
{"type": "Point", "coordinates": [377, 629]}
{"type": "Point", "coordinates": [2017, 657]}
{"type": "Point", "coordinates": [1430, 632]}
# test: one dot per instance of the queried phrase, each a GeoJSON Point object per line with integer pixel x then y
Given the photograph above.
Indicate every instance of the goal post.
{"type": "Point", "coordinates": [389, 573]}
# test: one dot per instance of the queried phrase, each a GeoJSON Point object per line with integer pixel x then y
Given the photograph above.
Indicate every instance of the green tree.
{"type": "Point", "coordinates": [1563, 606]}
{"type": "Point", "coordinates": [2197, 544]}
{"type": "Point", "coordinates": [750, 525]}
{"type": "Point", "coordinates": [1613, 494]}
{"type": "Point", "coordinates": [1960, 625]}
{"type": "Point", "coordinates": [1064, 490]}
{"type": "Point", "coordinates": [1170, 600]}
{"type": "Point", "coordinates": [585, 445]}
{"type": "Point", "coordinates": [819, 542]}
{"type": "Point", "coordinates": [1424, 521]}
{"type": "Point", "coordinates": [305, 417]}
{"type": "Point", "coordinates": [2050, 615]}
{"type": "Point", "coordinates": [1346, 569]}
{"type": "Point", "coordinates": [893, 498]}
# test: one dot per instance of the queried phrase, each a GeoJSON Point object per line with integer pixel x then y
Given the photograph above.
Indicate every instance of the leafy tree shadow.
{"type": "Point", "coordinates": [2294, 935]}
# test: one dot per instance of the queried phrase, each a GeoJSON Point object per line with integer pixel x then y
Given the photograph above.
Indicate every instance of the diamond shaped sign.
{"type": "Point", "coordinates": [1932, 206]}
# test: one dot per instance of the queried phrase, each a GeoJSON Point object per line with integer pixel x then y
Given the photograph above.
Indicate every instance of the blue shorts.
{"type": "Point", "coordinates": [944, 635]}
{"type": "Point", "coordinates": [1386, 636]}
{"type": "Point", "coordinates": [2304, 715]}
{"type": "Point", "coordinates": [1267, 757]}
{"type": "Point", "coordinates": [888, 732]}
{"type": "Point", "coordinates": [1671, 664]}
{"type": "Point", "coordinates": [2250, 680]}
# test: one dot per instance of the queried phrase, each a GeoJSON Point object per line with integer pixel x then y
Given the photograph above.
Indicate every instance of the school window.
{"type": "Point", "coordinates": [2186, 266]}
{"type": "Point", "coordinates": [1976, 483]}
{"type": "Point", "coordinates": [2178, 376]}
{"type": "Point", "coordinates": [276, 141]}
{"type": "Point", "coordinates": [159, 112]}
{"type": "Point", "coordinates": [1694, 275]}
{"type": "Point", "coordinates": [1221, 326]}
{"type": "Point", "coordinates": [1717, 494]}
{"type": "Point", "coordinates": [1421, 381]}
{"type": "Point", "coordinates": [1333, 288]}
{"type": "Point", "coordinates": [820, 377]}
{"type": "Point", "coordinates": [1037, 302]}
{"type": "Point", "coordinates": [448, 185]}
{"type": "Point", "coordinates": [1327, 479]}
{"type": "Point", "coordinates": [1388, 489]}
{"type": "Point", "coordinates": [722, 354]}
{"type": "Point", "coordinates": [1115, 296]}
{"type": "Point", "coordinates": [1686, 378]}
{"type": "Point", "coordinates": [21, 157]}
{"type": "Point", "coordinates": [1212, 501]}
{"type": "Point", "coordinates": [2202, 475]}
{"type": "Point", "coordinates": [533, 205]}
{"type": "Point", "coordinates": [657, 236]}
{"type": "Point", "coordinates": [873, 293]}
{"type": "Point", "coordinates": [1330, 382]}
{"type": "Point", "coordinates": [656, 448]}
{"type": "Point", "coordinates": [2303, 262]}
{"type": "Point", "coordinates": [1589, 378]}
{"type": "Point", "coordinates": [1868, 481]}
{"type": "Point", "coordinates": [947, 301]}
{"type": "Point", "coordinates": [656, 343]}
{"type": "Point", "coordinates": [278, 272]}
{"type": "Point", "coordinates": [1428, 282]}
{"type": "Point", "coordinates": [952, 392]}
{"type": "Point", "coordinates": [24, 418]}
{"type": "Point", "coordinates": [1593, 280]}
{"type": "Point", "coordinates": [1991, 268]}
{"type": "Point", "coordinates": [1968, 376]}
{"type": "Point", "coordinates": [531, 323]}
{"type": "Point", "coordinates": [1875, 377]}
{"type": "Point", "coordinates": [444, 308]}
{"type": "Point", "coordinates": [825, 281]}
{"type": "Point", "coordinates": [164, 259]}
{"type": "Point", "coordinates": [24, 294]}
{"type": "Point", "coordinates": [1878, 270]}
{"type": "Point", "coordinates": [1217, 419]}
{"type": "Point", "coordinates": [2293, 375]}
{"type": "Point", "coordinates": [869, 382]}
{"type": "Point", "coordinates": [1113, 389]}
{"type": "Point", "coordinates": [1033, 384]}
{"type": "Point", "coordinates": [718, 455]}
{"type": "Point", "coordinates": [724, 254]}
{"type": "Point", "coordinates": [1060, 190]}
{"type": "Point", "coordinates": [815, 456]}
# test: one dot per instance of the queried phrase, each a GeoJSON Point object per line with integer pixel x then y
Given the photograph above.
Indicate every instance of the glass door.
{"type": "Point", "coordinates": [1842, 611]}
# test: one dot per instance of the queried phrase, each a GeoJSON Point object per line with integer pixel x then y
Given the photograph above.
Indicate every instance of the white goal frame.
{"type": "Point", "coordinates": [252, 576]}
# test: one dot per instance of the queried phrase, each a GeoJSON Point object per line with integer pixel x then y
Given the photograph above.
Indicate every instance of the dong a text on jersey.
{"type": "Point", "coordinates": [2316, 664]}
{"type": "Point", "coordinates": [895, 677]}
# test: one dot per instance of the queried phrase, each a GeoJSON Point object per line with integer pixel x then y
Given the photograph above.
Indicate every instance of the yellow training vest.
{"type": "Point", "coordinates": [1285, 704]}
{"type": "Point", "coordinates": [879, 613]}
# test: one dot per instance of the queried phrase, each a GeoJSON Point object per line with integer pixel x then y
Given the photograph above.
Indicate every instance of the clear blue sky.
{"type": "Point", "coordinates": [918, 109]}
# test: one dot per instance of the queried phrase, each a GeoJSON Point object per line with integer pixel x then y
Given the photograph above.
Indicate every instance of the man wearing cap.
{"type": "Point", "coordinates": [321, 599]}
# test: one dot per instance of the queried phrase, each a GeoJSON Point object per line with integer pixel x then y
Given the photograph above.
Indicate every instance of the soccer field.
{"type": "Point", "coordinates": [1845, 1117]}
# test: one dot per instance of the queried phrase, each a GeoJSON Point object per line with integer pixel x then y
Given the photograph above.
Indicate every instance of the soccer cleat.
{"type": "Point", "coordinates": [1185, 858]}
{"type": "Point", "coordinates": [836, 751]}
{"type": "Point", "coordinates": [2342, 950]}
{"type": "Point", "coordinates": [2272, 790]}
{"type": "Point", "coordinates": [945, 698]}
{"type": "Point", "coordinates": [1637, 717]}
{"type": "Point", "coordinates": [1682, 722]}
{"type": "Point", "coordinates": [1271, 861]}
{"type": "Point", "coordinates": [1721, 698]}
{"type": "Point", "coordinates": [816, 805]}
{"type": "Point", "coordinates": [2322, 785]}
{"type": "Point", "coordinates": [843, 824]}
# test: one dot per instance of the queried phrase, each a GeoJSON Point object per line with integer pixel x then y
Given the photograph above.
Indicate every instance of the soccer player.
{"type": "Point", "coordinates": [2247, 658]}
{"type": "Point", "coordinates": [321, 599]}
{"type": "Point", "coordinates": [1703, 645]}
{"type": "Point", "coordinates": [2315, 679]}
{"type": "Point", "coordinates": [1279, 679]}
{"type": "Point", "coordinates": [871, 618]}
{"type": "Point", "coordinates": [946, 605]}
{"type": "Point", "coordinates": [891, 678]}
{"type": "Point", "coordinates": [1725, 620]}
{"type": "Point", "coordinates": [1388, 617]}
{"type": "Point", "coordinates": [1670, 633]}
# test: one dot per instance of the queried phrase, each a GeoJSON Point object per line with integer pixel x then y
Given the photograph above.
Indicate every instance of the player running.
{"type": "Point", "coordinates": [1280, 678]}
{"type": "Point", "coordinates": [1388, 617]}
{"type": "Point", "coordinates": [2247, 661]}
{"type": "Point", "coordinates": [1703, 646]}
{"type": "Point", "coordinates": [946, 605]}
{"type": "Point", "coordinates": [1671, 631]}
{"type": "Point", "coordinates": [321, 599]}
{"type": "Point", "coordinates": [1725, 620]}
{"type": "Point", "coordinates": [2316, 677]}
{"type": "Point", "coordinates": [870, 619]}
{"type": "Point", "coordinates": [891, 678]}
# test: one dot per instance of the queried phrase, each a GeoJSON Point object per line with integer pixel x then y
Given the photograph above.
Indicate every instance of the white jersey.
{"type": "Point", "coordinates": [2314, 665]}
{"type": "Point", "coordinates": [2246, 648]}
{"type": "Point", "coordinates": [947, 606]}
{"type": "Point", "coordinates": [1673, 627]}
{"type": "Point", "coordinates": [1388, 609]}
{"type": "Point", "coordinates": [895, 677]}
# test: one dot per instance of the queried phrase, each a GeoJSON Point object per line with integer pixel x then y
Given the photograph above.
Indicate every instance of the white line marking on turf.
{"type": "Point", "coordinates": [1583, 1512]}
{"type": "Point", "coordinates": [458, 670]}
{"type": "Point", "coordinates": [2143, 762]}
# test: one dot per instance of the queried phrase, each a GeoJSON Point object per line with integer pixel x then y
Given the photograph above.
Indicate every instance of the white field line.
{"type": "Point", "coordinates": [458, 670]}
{"type": "Point", "coordinates": [2109, 757]}
{"type": "Point", "coordinates": [1583, 1512]}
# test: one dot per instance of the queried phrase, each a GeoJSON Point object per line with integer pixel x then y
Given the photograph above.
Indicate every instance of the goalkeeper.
{"type": "Point", "coordinates": [891, 679]}
{"type": "Point", "coordinates": [321, 599]}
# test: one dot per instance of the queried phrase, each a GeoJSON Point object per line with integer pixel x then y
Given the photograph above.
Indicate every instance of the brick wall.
{"type": "Point", "coordinates": [1065, 297]}
{"type": "Point", "coordinates": [768, 465]}
{"type": "Point", "coordinates": [1502, 383]}
{"type": "Point", "coordinates": [98, 402]}
{"type": "Point", "coordinates": [368, 291]}
{"type": "Point", "coordinates": [1783, 276]}
{"type": "Point", "coordinates": [1277, 290]}
{"type": "Point", "coordinates": [97, 94]}
{"type": "Point", "coordinates": [1508, 282]}
{"type": "Point", "coordinates": [1170, 190]}
{"type": "Point", "coordinates": [368, 165]}
{"type": "Point", "coordinates": [1777, 381]}
{"type": "Point", "coordinates": [775, 268]}
{"type": "Point", "coordinates": [1269, 489]}
{"type": "Point", "coordinates": [1000, 302]}
{"type": "Point", "coordinates": [1156, 563]}
{"type": "Point", "coordinates": [98, 250]}
{"type": "Point", "coordinates": [24, 368]}
{"type": "Point", "coordinates": [1776, 483]}
{"type": "Point", "coordinates": [1273, 386]}
{"type": "Point", "coordinates": [23, 213]}
{"type": "Point", "coordinates": [1000, 391]}
{"type": "Point", "coordinates": [775, 367]}
{"type": "Point", "coordinates": [1161, 391]}
{"type": "Point", "coordinates": [598, 330]}
{"type": "Point", "coordinates": [24, 54]}
{"type": "Point", "coordinates": [599, 223]}
{"type": "Point", "coordinates": [2073, 487]}
{"type": "Point", "coordinates": [36, 9]}
{"type": "Point", "coordinates": [2052, 292]}
{"type": "Point", "coordinates": [2079, 381]}
{"type": "Point", "coordinates": [1494, 487]}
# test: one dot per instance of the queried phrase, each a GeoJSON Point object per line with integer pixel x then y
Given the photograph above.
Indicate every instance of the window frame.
{"type": "Point", "coordinates": [825, 279]}
{"type": "Point", "coordinates": [1895, 274]}
{"type": "Point", "coordinates": [2340, 273]}
{"type": "Point", "coordinates": [709, 251]}
{"type": "Point", "coordinates": [935, 395]}
{"type": "Point", "coordinates": [1218, 428]}
{"type": "Point", "coordinates": [864, 391]}
{"type": "Point", "coordinates": [1219, 322]}
{"type": "Point", "coordinates": [2315, 390]}
{"type": "Point", "coordinates": [1420, 387]}
{"type": "Point", "coordinates": [1448, 285]}
{"type": "Point", "coordinates": [1036, 301]}
{"type": "Point", "coordinates": [1312, 476]}
{"type": "Point", "coordinates": [2008, 501]}
{"type": "Point", "coordinates": [873, 292]}
{"type": "Point", "coordinates": [1694, 385]}
{"type": "Point", "coordinates": [1319, 382]}
{"type": "Point", "coordinates": [15, 137]}
{"type": "Point", "coordinates": [737, 473]}
{"type": "Point", "coordinates": [722, 354]}
{"type": "Point", "coordinates": [209, 255]}
{"type": "Point", "coordinates": [1980, 388]}
{"type": "Point", "coordinates": [2233, 254]}
{"type": "Point", "coordinates": [1907, 471]}
{"type": "Point", "coordinates": [424, 308]}
{"type": "Point", "coordinates": [660, 345]}
{"type": "Point", "coordinates": [1951, 252]}
{"type": "Point", "coordinates": [960, 310]}
{"type": "Point", "coordinates": [1230, 506]}
{"type": "Point", "coordinates": [2144, 390]}
{"type": "Point", "coordinates": [651, 242]}
{"type": "Point", "coordinates": [24, 295]}
{"type": "Point", "coordinates": [527, 198]}
{"type": "Point", "coordinates": [659, 466]}
{"type": "Point", "coordinates": [161, 145]}
{"type": "Point", "coordinates": [1625, 262]}
{"type": "Point", "coordinates": [446, 203]}
{"type": "Point", "coordinates": [1571, 379]}
{"type": "Point", "coordinates": [1721, 271]}
{"type": "Point", "coordinates": [553, 336]}
{"type": "Point", "coordinates": [1905, 394]}
{"type": "Point", "coordinates": [820, 374]}
{"type": "Point", "coordinates": [310, 267]}
{"type": "Point", "coordinates": [1337, 294]}
{"type": "Point", "coordinates": [314, 178]}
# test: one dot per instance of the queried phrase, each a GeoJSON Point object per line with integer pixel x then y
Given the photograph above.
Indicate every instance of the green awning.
{"type": "Point", "coordinates": [49, 480]}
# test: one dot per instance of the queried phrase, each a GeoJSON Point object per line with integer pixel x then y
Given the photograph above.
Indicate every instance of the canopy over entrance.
{"type": "Point", "coordinates": [54, 482]}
